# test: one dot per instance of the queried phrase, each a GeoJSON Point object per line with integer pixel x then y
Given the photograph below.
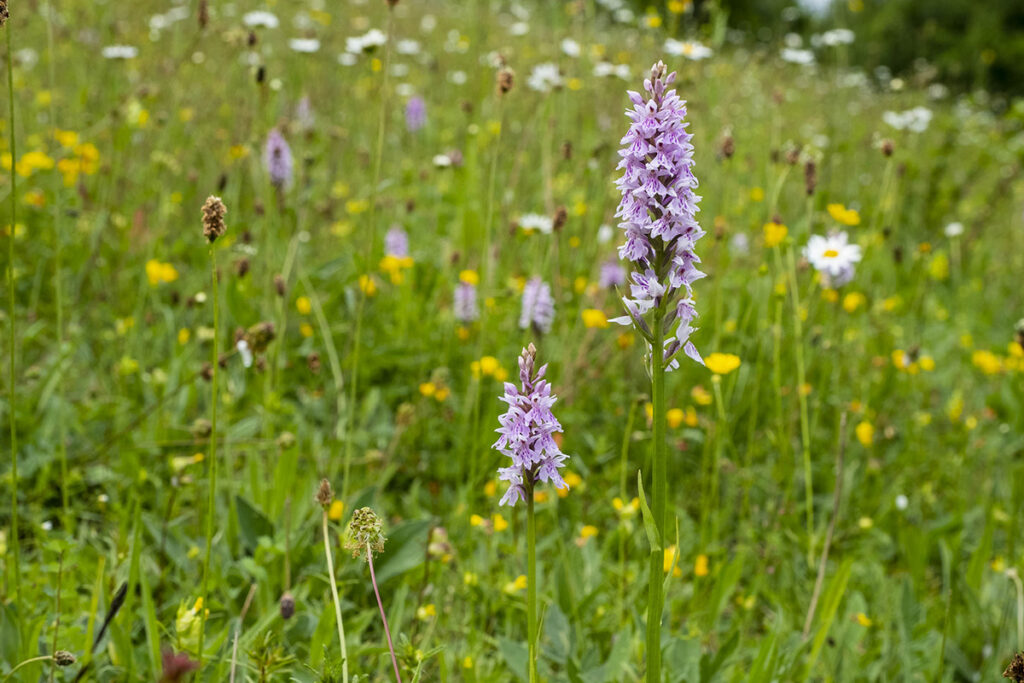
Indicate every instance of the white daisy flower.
{"type": "Point", "coordinates": [306, 45]}
{"type": "Point", "coordinates": [687, 48]}
{"type": "Point", "coordinates": [833, 256]}
{"type": "Point", "coordinates": [837, 36]}
{"type": "Point", "coordinates": [954, 229]}
{"type": "Point", "coordinates": [544, 77]}
{"type": "Point", "coordinates": [570, 47]}
{"type": "Point", "coordinates": [120, 52]}
{"type": "Point", "coordinates": [535, 221]}
{"type": "Point", "coordinates": [260, 19]}
{"type": "Point", "coordinates": [795, 56]}
{"type": "Point", "coordinates": [407, 47]}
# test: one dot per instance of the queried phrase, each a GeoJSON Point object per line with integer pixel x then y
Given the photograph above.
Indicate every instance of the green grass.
{"type": "Point", "coordinates": [108, 367]}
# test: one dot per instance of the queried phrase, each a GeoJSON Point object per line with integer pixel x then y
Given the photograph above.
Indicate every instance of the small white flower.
{"type": "Point", "coordinates": [407, 47]}
{"type": "Point", "coordinates": [520, 28]}
{"type": "Point", "coordinates": [244, 352]}
{"type": "Point", "coordinates": [837, 36]}
{"type": "Point", "coordinates": [120, 52]}
{"type": "Point", "coordinates": [442, 161]}
{"type": "Point", "coordinates": [833, 256]}
{"type": "Point", "coordinates": [795, 56]}
{"type": "Point", "coordinates": [902, 502]}
{"type": "Point", "coordinates": [306, 45]}
{"type": "Point", "coordinates": [457, 77]}
{"type": "Point", "coordinates": [367, 42]}
{"type": "Point", "coordinates": [687, 48]}
{"type": "Point", "coordinates": [544, 77]}
{"type": "Point", "coordinates": [570, 47]}
{"type": "Point", "coordinates": [740, 243]}
{"type": "Point", "coordinates": [347, 59]}
{"type": "Point", "coordinates": [915, 120]}
{"type": "Point", "coordinates": [605, 234]}
{"type": "Point", "coordinates": [260, 19]}
{"type": "Point", "coordinates": [954, 229]}
{"type": "Point", "coordinates": [535, 221]}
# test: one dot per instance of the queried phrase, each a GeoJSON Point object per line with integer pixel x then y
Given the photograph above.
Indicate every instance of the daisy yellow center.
{"type": "Point", "coordinates": [831, 253]}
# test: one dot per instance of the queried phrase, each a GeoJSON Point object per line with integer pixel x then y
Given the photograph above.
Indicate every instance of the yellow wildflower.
{"type": "Point", "coordinates": [865, 433]}
{"type": "Point", "coordinates": [722, 363]}
{"type": "Point", "coordinates": [593, 317]}
{"type": "Point", "coordinates": [774, 233]}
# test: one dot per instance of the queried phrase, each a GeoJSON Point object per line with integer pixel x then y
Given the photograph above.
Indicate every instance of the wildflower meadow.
{"type": "Point", "coordinates": [496, 341]}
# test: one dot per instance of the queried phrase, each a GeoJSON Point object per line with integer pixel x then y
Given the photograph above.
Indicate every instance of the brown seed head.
{"type": "Point", "coordinates": [1015, 671]}
{"type": "Point", "coordinates": [204, 13]}
{"type": "Point", "coordinates": [887, 147]}
{"type": "Point", "coordinates": [324, 494]}
{"type": "Point", "coordinates": [3, 13]}
{"type": "Point", "coordinates": [506, 79]}
{"type": "Point", "coordinates": [287, 605]}
{"type": "Point", "coordinates": [810, 177]}
{"type": "Point", "coordinates": [561, 216]}
{"type": "Point", "coordinates": [279, 285]}
{"type": "Point", "coordinates": [313, 361]}
{"type": "Point", "coordinates": [201, 428]}
{"type": "Point", "coordinates": [728, 147]}
{"type": "Point", "coordinates": [213, 218]}
{"type": "Point", "coordinates": [62, 657]}
{"type": "Point", "coordinates": [259, 336]}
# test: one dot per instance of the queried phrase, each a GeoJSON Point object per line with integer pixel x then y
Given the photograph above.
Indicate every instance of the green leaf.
{"type": "Point", "coordinates": [405, 549]}
{"type": "Point", "coordinates": [252, 524]}
{"type": "Point", "coordinates": [653, 537]}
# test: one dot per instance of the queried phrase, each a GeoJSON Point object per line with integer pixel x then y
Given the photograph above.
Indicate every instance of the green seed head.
{"type": "Point", "coordinates": [365, 530]}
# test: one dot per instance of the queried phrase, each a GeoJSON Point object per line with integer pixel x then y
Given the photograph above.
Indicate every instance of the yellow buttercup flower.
{"type": "Point", "coordinates": [839, 213]}
{"type": "Point", "coordinates": [303, 305]}
{"type": "Point", "coordinates": [987, 362]}
{"type": "Point", "coordinates": [774, 233]}
{"type": "Point", "coordinates": [489, 365]}
{"type": "Point", "coordinates": [722, 363]}
{"type": "Point", "coordinates": [500, 524]}
{"type": "Point", "coordinates": [593, 317]}
{"type": "Point", "coordinates": [470, 277]}
{"type": "Point", "coordinates": [157, 272]}
{"type": "Point", "coordinates": [853, 301]}
{"type": "Point", "coordinates": [701, 396]}
{"type": "Point", "coordinates": [367, 284]}
{"type": "Point", "coordinates": [700, 566]}
{"type": "Point", "coordinates": [865, 433]}
{"type": "Point", "coordinates": [669, 563]}
{"type": "Point", "coordinates": [336, 510]}
{"type": "Point", "coordinates": [517, 585]}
